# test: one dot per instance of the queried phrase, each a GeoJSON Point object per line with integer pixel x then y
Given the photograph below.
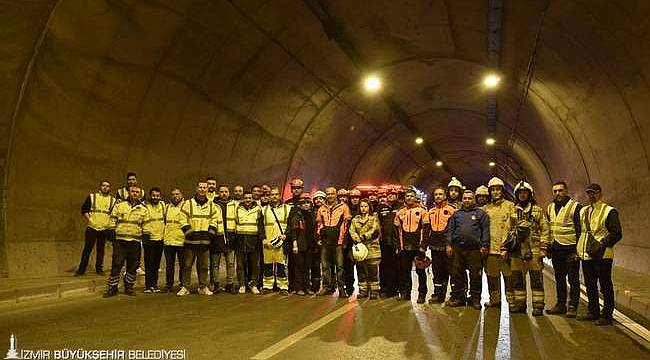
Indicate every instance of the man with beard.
{"type": "Point", "coordinates": [389, 265]}
{"type": "Point", "coordinates": [238, 193]}
{"type": "Point", "coordinates": [275, 218]}
{"type": "Point", "coordinates": [212, 188]}
{"type": "Point", "coordinates": [256, 190]}
{"type": "Point", "coordinates": [439, 215]}
{"type": "Point", "coordinates": [250, 231]}
{"type": "Point", "coordinates": [173, 239]}
{"type": "Point", "coordinates": [482, 196]}
{"type": "Point", "coordinates": [332, 218]}
{"type": "Point", "coordinates": [97, 211]}
{"type": "Point", "coordinates": [152, 241]}
{"type": "Point", "coordinates": [563, 215]}
{"type": "Point", "coordinates": [454, 190]}
{"type": "Point", "coordinates": [302, 240]}
{"type": "Point", "coordinates": [227, 252]}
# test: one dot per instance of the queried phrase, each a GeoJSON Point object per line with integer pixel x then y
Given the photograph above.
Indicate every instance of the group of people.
{"type": "Point", "coordinates": [312, 244]}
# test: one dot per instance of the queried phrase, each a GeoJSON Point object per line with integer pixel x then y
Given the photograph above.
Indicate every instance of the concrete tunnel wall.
{"type": "Point", "coordinates": [254, 91]}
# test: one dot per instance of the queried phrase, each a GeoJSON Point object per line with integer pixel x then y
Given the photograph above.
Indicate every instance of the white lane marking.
{"type": "Point", "coordinates": [304, 332]}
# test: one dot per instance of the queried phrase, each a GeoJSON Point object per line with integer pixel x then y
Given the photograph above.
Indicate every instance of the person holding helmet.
{"type": "Point", "coordinates": [600, 231]}
{"type": "Point", "coordinates": [274, 217]}
{"type": "Point", "coordinates": [365, 232]}
{"type": "Point", "coordinates": [564, 218]}
{"type": "Point", "coordinates": [468, 239]}
{"type": "Point", "coordinates": [348, 261]}
{"type": "Point", "coordinates": [526, 244]}
{"type": "Point", "coordinates": [454, 191]}
{"type": "Point", "coordinates": [302, 240]}
{"type": "Point", "coordinates": [482, 196]}
{"type": "Point", "coordinates": [439, 216]}
{"type": "Point", "coordinates": [498, 210]}
{"type": "Point", "coordinates": [332, 218]}
{"type": "Point", "coordinates": [412, 223]}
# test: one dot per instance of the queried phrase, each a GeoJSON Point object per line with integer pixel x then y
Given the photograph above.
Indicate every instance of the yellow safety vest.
{"type": "Point", "coordinates": [173, 216]}
{"type": "Point", "coordinates": [155, 226]}
{"type": "Point", "coordinates": [499, 214]}
{"type": "Point", "coordinates": [246, 220]}
{"type": "Point", "coordinates": [128, 220]}
{"type": "Point", "coordinates": [201, 217]}
{"type": "Point", "coordinates": [271, 227]}
{"type": "Point", "coordinates": [562, 225]}
{"type": "Point", "coordinates": [231, 214]}
{"type": "Point", "coordinates": [99, 216]}
{"type": "Point", "coordinates": [598, 213]}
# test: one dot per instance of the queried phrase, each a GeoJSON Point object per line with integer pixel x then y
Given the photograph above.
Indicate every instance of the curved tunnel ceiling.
{"type": "Point", "coordinates": [262, 91]}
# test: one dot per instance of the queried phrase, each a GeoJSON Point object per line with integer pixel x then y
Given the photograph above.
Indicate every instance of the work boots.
{"type": "Point", "coordinates": [111, 291]}
{"type": "Point", "coordinates": [572, 311]}
{"type": "Point", "coordinates": [556, 310]}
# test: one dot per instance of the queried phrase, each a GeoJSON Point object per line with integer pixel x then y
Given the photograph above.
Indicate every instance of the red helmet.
{"type": "Point", "coordinates": [382, 192]}
{"type": "Point", "coordinates": [297, 183]}
{"type": "Point", "coordinates": [355, 193]}
{"type": "Point", "coordinates": [342, 192]}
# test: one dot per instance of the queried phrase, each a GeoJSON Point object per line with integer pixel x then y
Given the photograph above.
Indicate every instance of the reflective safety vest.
{"type": "Point", "coordinates": [173, 216]}
{"type": "Point", "coordinates": [99, 216]}
{"type": "Point", "coordinates": [128, 220]}
{"type": "Point", "coordinates": [498, 215]}
{"type": "Point", "coordinates": [271, 227]}
{"type": "Point", "coordinates": [333, 223]}
{"type": "Point", "coordinates": [201, 217]}
{"type": "Point", "coordinates": [410, 222]}
{"type": "Point", "coordinates": [597, 214]}
{"type": "Point", "coordinates": [539, 237]}
{"type": "Point", "coordinates": [155, 226]}
{"type": "Point", "coordinates": [562, 227]}
{"type": "Point", "coordinates": [231, 214]}
{"type": "Point", "coordinates": [123, 194]}
{"type": "Point", "coordinates": [246, 219]}
{"type": "Point", "coordinates": [439, 216]}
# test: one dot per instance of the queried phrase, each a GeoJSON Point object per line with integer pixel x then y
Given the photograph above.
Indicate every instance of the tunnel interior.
{"type": "Point", "coordinates": [263, 91]}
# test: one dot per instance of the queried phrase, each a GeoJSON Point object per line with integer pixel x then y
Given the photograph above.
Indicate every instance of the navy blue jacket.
{"type": "Point", "coordinates": [469, 228]}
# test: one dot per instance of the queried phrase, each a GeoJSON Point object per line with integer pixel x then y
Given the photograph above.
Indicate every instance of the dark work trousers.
{"type": "Point", "coordinates": [260, 263]}
{"type": "Point", "coordinates": [315, 272]}
{"type": "Point", "coordinates": [92, 237]}
{"type": "Point", "coordinates": [388, 270]}
{"type": "Point", "coordinates": [441, 269]}
{"type": "Point", "coordinates": [124, 251]}
{"type": "Point", "coordinates": [599, 272]}
{"type": "Point", "coordinates": [173, 254]}
{"type": "Point", "coordinates": [348, 270]}
{"type": "Point", "coordinates": [406, 258]}
{"type": "Point", "coordinates": [248, 267]}
{"type": "Point", "coordinates": [153, 250]}
{"type": "Point", "coordinates": [332, 263]}
{"type": "Point", "coordinates": [566, 265]}
{"type": "Point", "coordinates": [291, 268]}
{"type": "Point", "coordinates": [200, 253]}
{"type": "Point", "coordinates": [301, 270]}
{"type": "Point", "coordinates": [466, 259]}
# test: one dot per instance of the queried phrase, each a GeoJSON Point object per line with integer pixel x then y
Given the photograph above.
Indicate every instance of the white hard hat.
{"type": "Point", "coordinates": [482, 190]}
{"type": "Point", "coordinates": [495, 181]}
{"type": "Point", "coordinates": [319, 193]}
{"type": "Point", "coordinates": [455, 182]}
{"type": "Point", "coordinates": [359, 252]}
{"type": "Point", "coordinates": [522, 185]}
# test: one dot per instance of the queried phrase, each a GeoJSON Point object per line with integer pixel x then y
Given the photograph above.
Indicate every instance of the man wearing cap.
{"type": "Point", "coordinates": [389, 265]}
{"type": "Point", "coordinates": [498, 211]}
{"type": "Point", "coordinates": [439, 215]}
{"type": "Point", "coordinates": [275, 218]}
{"type": "Point", "coordinates": [454, 190]}
{"type": "Point", "coordinates": [600, 223]}
{"type": "Point", "coordinates": [526, 244]}
{"type": "Point", "coordinates": [563, 215]}
{"type": "Point", "coordinates": [468, 239]}
{"type": "Point", "coordinates": [412, 223]}
{"type": "Point", "coordinates": [482, 196]}
{"type": "Point", "coordinates": [343, 196]}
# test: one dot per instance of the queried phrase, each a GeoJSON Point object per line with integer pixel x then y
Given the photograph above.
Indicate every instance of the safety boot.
{"type": "Point", "coordinates": [111, 291]}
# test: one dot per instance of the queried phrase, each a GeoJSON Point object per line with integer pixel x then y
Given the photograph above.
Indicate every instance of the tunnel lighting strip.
{"type": "Point", "coordinates": [629, 324]}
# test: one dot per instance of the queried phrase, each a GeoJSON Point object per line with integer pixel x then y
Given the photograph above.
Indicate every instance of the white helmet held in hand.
{"type": "Point", "coordinates": [359, 252]}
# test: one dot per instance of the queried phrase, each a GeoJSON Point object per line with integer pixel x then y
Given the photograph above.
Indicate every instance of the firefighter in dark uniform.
{"type": "Point", "coordinates": [389, 265]}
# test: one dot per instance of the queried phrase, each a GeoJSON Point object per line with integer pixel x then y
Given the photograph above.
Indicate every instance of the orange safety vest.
{"type": "Point", "coordinates": [439, 216]}
{"type": "Point", "coordinates": [411, 220]}
{"type": "Point", "coordinates": [336, 216]}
